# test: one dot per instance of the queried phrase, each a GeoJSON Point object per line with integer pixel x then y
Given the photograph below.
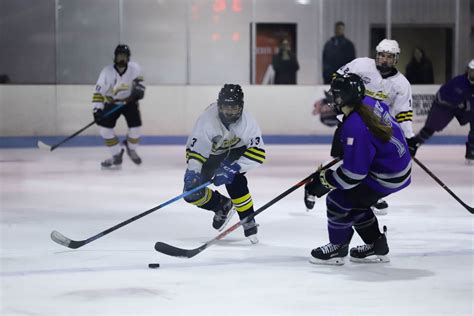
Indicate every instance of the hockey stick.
{"type": "Point", "coordinates": [444, 186]}
{"type": "Point", "coordinates": [42, 145]}
{"type": "Point", "coordinates": [170, 250]}
{"type": "Point", "coordinates": [74, 244]}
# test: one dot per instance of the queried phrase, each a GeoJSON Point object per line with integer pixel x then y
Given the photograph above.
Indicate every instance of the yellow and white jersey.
{"type": "Point", "coordinates": [113, 86]}
{"type": "Point", "coordinates": [394, 90]}
{"type": "Point", "coordinates": [210, 137]}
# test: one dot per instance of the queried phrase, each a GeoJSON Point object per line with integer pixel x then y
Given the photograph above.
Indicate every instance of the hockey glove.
{"type": "Point", "coordinates": [319, 185]}
{"type": "Point", "coordinates": [226, 172]}
{"type": "Point", "coordinates": [138, 90]}
{"type": "Point", "coordinates": [413, 144]}
{"type": "Point", "coordinates": [98, 114]}
{"type": "Point", "coordinates": [192, 179]}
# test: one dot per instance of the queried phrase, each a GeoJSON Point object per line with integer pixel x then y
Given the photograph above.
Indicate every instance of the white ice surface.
{"type": "Point", "coordinates": [430, 237]}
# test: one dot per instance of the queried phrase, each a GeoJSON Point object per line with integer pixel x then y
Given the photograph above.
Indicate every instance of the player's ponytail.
{"type": "Point", "coordinates": [375, 126]}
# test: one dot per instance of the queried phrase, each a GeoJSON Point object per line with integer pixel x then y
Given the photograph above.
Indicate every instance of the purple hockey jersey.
{"type": "Point", "coordinates": [457, 92]}
{"type": "Point", "coordinates": [383, 166]}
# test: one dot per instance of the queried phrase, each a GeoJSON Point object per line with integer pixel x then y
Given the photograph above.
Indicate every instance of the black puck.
{"type": "Point", "coordinates": [153, 265]}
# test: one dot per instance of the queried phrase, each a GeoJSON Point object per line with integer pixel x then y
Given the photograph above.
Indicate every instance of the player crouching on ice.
{"type": "Point", "coordinates": [376, 163]}
{"type": "Point", "coordinates": [225, 143]}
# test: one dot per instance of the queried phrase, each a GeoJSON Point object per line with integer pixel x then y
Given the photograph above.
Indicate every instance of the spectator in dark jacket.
{"type": "Point", "coordinates": [337, 52]}
{"type": "Point", "coordinates": [420, 69]}
{"type": "Point", "coordinates": [285, 64]}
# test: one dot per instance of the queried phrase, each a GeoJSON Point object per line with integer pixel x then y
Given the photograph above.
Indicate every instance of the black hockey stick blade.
{"type": "Point", "coordinates": [170, 250]}
{"type": "Point", "coordinates": [66, 242]}
{"type": "Point", "coordinates": [173, 251]}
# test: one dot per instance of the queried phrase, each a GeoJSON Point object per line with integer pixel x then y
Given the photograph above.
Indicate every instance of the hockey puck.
{"type": "Point", "coordinates": [153, 265]}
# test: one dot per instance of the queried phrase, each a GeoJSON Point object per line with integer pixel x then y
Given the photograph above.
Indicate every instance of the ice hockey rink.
{"type": "Point", "coordinates": [429, 233]}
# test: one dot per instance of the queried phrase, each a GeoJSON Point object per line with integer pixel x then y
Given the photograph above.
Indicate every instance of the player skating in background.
{"type": "Point", "coordinates": [225, 143]}
{"type": "Point", "coordinates": [376, 163]}
{"type": "Point", "coordinates": [119, 84]}
{"type": "Point", "coordinates": [385, 83]}
{"type": "Point", "coordinates": [454, 99]}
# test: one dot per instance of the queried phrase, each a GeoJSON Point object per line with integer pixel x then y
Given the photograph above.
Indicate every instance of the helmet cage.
{"type": "Point", "coordinates": [122, 49]}
{"type": "Point", "coordinates": [230, 103]}
{"type": "Point", "coordinates": [389, 47]}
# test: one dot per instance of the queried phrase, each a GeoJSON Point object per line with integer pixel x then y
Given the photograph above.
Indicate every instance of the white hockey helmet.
{"type": "Point", "coordinates": [388, 46]}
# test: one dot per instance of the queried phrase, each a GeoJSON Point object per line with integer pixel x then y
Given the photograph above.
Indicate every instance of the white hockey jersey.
{"type": "Point", "coordinates": [113, 86]}
{"type": "Point", "coordinates": [210, 137]}
{"type": "Point", "coordinates": [394, 90]}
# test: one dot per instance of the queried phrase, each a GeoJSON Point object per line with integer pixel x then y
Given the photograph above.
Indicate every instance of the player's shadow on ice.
{"type": "Point", "coordinates": [376, 272]}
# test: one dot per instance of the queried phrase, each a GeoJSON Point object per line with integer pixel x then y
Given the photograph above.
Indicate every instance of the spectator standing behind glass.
{"type": "Point", "coordinates": [337, 52]}
{"type": "Point", "coordinates": [420, 69]}
{"type": "Point", "coordinates": [285, 64]}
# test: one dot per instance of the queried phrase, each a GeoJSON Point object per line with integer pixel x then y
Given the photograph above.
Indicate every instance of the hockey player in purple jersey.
{"type": "Point", "coordinates": [454, 99]}
{"type": "Point", "coordinates": [376, 163]}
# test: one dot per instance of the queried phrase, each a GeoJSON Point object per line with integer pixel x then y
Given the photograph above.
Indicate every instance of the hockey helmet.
{"type": "Point", "coordinates": [390, 47]}
{"type": "Point", "coordinates": [230, 103]}
{"type": "Point", "coordinates": [347, 90]}
{"type": "Point", "coordinates": [122, 49]}
{"type": "Point", "coordinates": [470, 72]}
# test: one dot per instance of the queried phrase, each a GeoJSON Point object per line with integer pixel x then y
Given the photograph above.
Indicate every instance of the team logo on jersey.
{"type": "Point", "coordinates": [226, 144]}
{"type": "Point", "coordinates": [350, 141]}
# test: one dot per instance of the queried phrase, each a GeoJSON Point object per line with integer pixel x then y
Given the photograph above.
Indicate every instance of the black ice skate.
{"type": "Point", "coordinates": [113, 163]}
{"type": "Point", "coordinates": [250, 231]}
{"type": "Point", "coordinates": [372, 253]}
{"type": "Point", "coordinates": [469, 154]}
{"type": "Point", "coordinates": [224, 212]}
{"type": "Point", "coordinates": [132, 154]}
{"type": "Point", "coordinates": [330, 254]}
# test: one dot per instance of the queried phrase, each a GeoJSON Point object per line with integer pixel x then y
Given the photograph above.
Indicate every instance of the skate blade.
{"type": "Point", "coordinates": [115, 167]}
{"type": "Point", "coordinates": [371, 259]}
{"type": "Point", "coordinates": [229, 216]}
{"type": "Point", "coordinates": [253, 239]}
{"type": "Point", "coordinates": [330, 262]}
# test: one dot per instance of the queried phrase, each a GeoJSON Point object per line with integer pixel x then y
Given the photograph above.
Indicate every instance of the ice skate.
{"type": "Point", "coordinates": [372, 253]}
{"type": "Point", "coordinates": [250, 231]}
{"type": "Point", "coordinates": [224, 212]}
{"type": "Point", "coordinates": [330, 254]}
{"type": "Point", "coordinates": [114, 163]}
{"type": "Point", "coordinates": [469, 154]}
{"type": "Point", "coordinates": [132, 154]}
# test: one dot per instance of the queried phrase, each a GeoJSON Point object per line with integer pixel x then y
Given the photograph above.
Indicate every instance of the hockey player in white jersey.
{"type": "Point", "coordinates": [119, 84]}
{"type": "Point", "coordinates": [385, 83]}
{"type": "Point", "coordinates": [225, 144]}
